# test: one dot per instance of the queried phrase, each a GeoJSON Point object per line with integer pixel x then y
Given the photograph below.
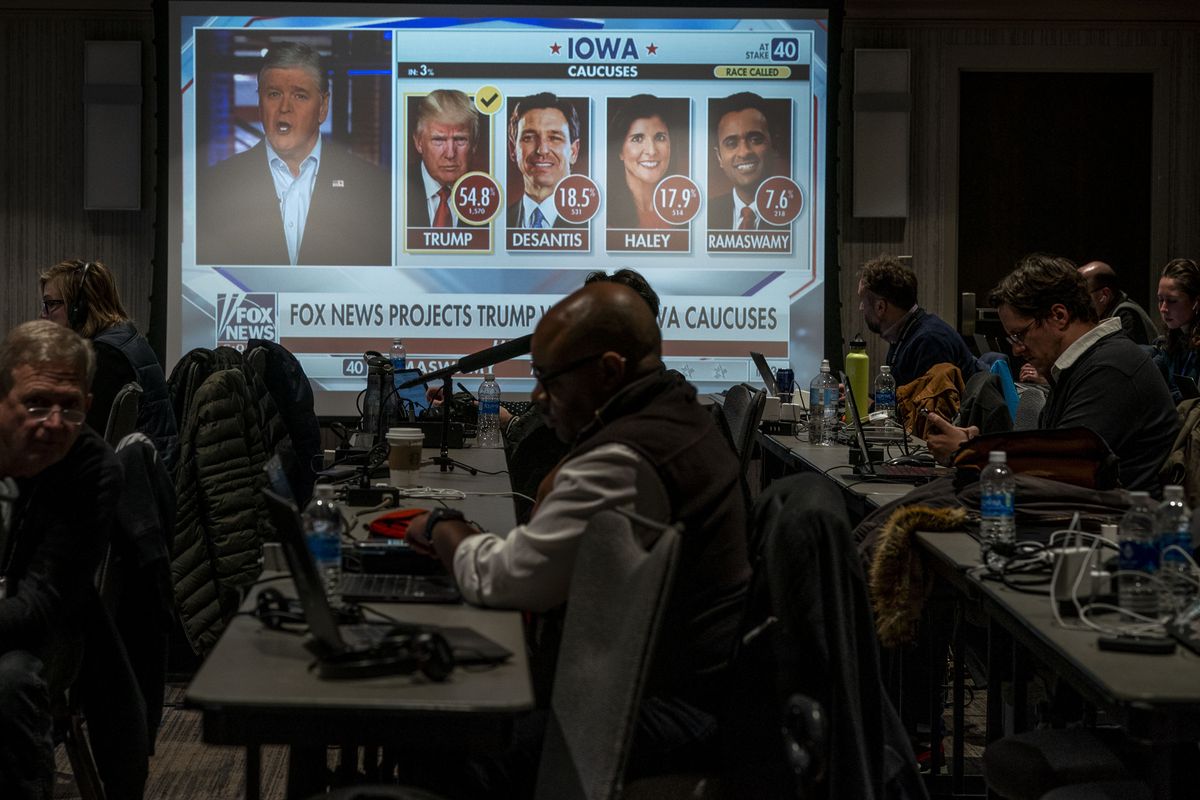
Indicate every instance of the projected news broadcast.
{"type": "Point", "coordinates": [346, 180]}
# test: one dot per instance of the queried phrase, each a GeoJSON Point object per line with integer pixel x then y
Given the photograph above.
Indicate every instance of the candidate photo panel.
{"type": "Point", "coordinates": [450, 193]}
{"type": "Point", "coordinates": [750, 141]}
{"type": "Point", "coordinates": [550, 191]}
{"type": "Point", "coordinates": [294, 147]}
{"type": "Point", "coordinates": [649, 174]}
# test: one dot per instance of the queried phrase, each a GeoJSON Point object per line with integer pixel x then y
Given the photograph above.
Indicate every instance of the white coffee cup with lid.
{"type": "Point", "coordinates": [404, 455]}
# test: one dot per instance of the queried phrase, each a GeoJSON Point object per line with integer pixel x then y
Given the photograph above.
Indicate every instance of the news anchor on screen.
{"type": "Point", "coordinates": [445, 138]}
{"type": "Point", "coordinates": [543, 139]}
{"type": "Point", "coordinates": [292, 198]}
{"type": "Point", "coordinates": [745, 151]}
{"type": "Point", "coordinates": [641, 132]}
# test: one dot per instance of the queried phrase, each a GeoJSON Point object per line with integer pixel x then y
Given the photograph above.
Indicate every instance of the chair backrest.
{"type": "Point", "coordinates": [1029, 408]}
{"type": "Point", "coordinates": [809, 629]}
{"type": "Point", "coordinates": [618, 592]}
{"type": "Point", "coordinates": [122, 418]}
{"type": "Point", "coordinates": [743, 411]}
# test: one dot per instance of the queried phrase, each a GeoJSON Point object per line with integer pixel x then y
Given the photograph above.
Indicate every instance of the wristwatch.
{"type": "Point", "coordinates": [441, 514]}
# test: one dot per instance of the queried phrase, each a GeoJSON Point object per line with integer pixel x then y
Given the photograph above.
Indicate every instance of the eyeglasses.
{"type": "Point", "coordinates": [545, 378]}
{"type": "Point", "coordinates": [71, 416]}
{"type": "Point", "coordinates": [1018, 338]}
{"type": "Point", "coordinates": [50, 305]}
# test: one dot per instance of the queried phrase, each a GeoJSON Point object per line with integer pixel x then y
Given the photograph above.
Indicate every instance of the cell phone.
{"type": "Point", "coordinates": [1150, 645]}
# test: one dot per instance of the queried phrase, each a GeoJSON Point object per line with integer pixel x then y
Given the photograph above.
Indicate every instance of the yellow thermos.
{"type": "Point", "coordinates": [858, 372]}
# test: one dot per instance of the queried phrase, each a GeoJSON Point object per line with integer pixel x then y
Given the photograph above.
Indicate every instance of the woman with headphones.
{"type": "Point", "coordinates": [1179, 304]}
{"type": "Point", "coordinates": [82, 295]}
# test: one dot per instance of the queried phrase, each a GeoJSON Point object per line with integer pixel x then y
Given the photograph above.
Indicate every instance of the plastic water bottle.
{"type": "Point", "coordinates": [1138, 562]}
{"type": "Point", "coordinates": [398, 356]}
{"type": "Point", "coordinates": [822, 407]}
{"type": "Point", "coordinates": [488, 433]}
{"type": "Point", "coordinates": [885, 391]}
{"type": "Point", "coordinates": [1173, 526]}
{"type": "Point", "coordinates": [858, 372]}
{"type": "Point", "coordinates": [323, 526]}
{"type": "Point", "coordinates": [997, 491]}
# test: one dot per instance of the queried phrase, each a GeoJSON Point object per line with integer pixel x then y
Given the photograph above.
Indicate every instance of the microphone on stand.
{"type": "Point", "coordinates": [469, 363]}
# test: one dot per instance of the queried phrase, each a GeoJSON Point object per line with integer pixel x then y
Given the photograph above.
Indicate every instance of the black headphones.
{"type": "Point", "coordinates": [399, 653]}
{"type": "Point", "coordinates": [77, 311]}
{"type": "Point", "coordinates": [274, 610]}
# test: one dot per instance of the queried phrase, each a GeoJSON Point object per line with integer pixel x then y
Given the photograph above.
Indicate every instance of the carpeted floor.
{"type": "Point", "coordinates": [185, 768]}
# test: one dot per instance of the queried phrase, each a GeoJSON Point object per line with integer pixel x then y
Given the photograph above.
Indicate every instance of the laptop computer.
{"type": "Point", "coordinates": [913, 473]}
{"type": "Point", "coordinates": [329, 638]}
{"type": "Point", "coordinates": [764, 370]}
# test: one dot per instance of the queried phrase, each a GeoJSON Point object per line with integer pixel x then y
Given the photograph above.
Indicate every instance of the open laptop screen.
{"type": "Point", "coordinates": [764, 370]}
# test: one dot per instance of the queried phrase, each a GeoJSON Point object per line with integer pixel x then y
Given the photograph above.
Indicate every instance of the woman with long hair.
{"type": "Point", "coordinates": [639, 157]}
{"type": "Point", "coordinates": [1179, 305]}
{"type": "Point", "coordinates": [82, 295]}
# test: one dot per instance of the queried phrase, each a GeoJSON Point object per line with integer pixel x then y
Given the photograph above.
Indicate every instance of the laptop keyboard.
{"type": "Point", "coordinates": [399, 588]}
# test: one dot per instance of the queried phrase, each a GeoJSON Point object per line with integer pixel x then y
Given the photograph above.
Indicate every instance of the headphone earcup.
{"type": "Point", "coordinates": [274, 610]}
{"type": "Point", "coordinates": [77, 311]}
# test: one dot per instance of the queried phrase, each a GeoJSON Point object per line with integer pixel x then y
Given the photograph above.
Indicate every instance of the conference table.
{"type": "Point", "coordinates": [257, 687]}
{"type": "Point", "coordinates": [787, 453]}
{"type": "Point", "coordinates": [1155, 698]}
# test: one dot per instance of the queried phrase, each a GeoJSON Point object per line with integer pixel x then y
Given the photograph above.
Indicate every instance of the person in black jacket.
{"type": "Point", "coordinates": [1099, 379]}
{"type": "Point", "coordinates": [82, 295]}
{"type": "Point", "coordinates": [50, 547]}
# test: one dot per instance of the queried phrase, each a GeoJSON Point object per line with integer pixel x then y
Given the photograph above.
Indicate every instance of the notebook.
{"type": "Point", "coordinates": [913, 473]}
{"type": "Point", "coordinates": [469, 646]}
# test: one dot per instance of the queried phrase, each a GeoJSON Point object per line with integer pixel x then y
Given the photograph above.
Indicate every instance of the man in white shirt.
{"type": "Point", "coordinates": [446, 134]}
{"type": "Point", "coordinates": [543, 141]}
{"type": "Point", "coordinates": [640, 442]}
{"type": "Point", "coordinates": [745, 152]}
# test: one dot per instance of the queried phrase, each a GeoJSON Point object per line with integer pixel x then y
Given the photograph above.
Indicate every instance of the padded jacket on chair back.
{"type": "Point", "coordinates": [809, 630]}
{"type": "Point", "coordinates": [221, 518]}
{"type": "Point", "coordinates": [292, 394]}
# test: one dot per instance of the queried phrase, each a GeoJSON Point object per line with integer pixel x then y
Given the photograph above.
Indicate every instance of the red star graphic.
{"type": "Point", "coordinates": [652, 49]}
{"type": "Point", "coordinates": [554, 48]}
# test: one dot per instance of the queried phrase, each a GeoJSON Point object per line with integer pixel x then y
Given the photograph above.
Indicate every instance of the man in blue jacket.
{"type": "Point", "coordinates": [917, 339]}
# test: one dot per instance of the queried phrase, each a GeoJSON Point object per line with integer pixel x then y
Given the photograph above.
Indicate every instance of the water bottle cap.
{"type": "Point", "coordinates": [997, 456]}
{"type": "Point", "coordinates": [1173, 492]}
{"type": "Point", "coordinates": [885, 369]}
{"type": "Point", "coordinates": [1139, 495]}
{"type": "Point", "coordinates": [397, 340]}
{"type": "Point", "coordinates": [857, 342]}
{"type": "Point", "coordinates": [489, 376]}
{"type": "Point", "coordinates": [825, 365]}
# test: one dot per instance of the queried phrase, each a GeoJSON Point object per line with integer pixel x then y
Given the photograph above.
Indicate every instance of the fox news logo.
{"type": "Point", "coordinates": [245, 315]}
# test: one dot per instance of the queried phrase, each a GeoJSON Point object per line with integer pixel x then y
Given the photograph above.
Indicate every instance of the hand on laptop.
{"type": "Point", "coordinates": [943, 438]}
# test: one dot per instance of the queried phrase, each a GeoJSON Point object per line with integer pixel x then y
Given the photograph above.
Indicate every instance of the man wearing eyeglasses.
{"type": "Point", "coordinates": [638, 441]}
{"type": "Point", "coordinates": [1099, 379]}
{"type": "Point", "coordinates": [58, 487]}
{"type": "Point", "coordinates": [917, 339]}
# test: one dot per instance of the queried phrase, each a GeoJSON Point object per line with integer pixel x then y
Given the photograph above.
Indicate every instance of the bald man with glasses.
{"type": "Point", "coordinates": [59, 484]}
{"type": "Point", "coordinates": [639, 441]}
{"type": "Point", "coordinates": [1099, 379]}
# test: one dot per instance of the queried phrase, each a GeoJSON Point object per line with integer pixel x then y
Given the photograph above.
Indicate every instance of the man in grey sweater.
{"type": "Point", "coordinates": [1099, 379]}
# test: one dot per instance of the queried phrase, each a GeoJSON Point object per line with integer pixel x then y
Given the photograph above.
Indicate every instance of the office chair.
{"type": "Point", "coordinates": [619, 591]}
{"type": "Point", "coordinates": [122, 417]}
{"type": "Point", "coordinates": [743, 411]}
